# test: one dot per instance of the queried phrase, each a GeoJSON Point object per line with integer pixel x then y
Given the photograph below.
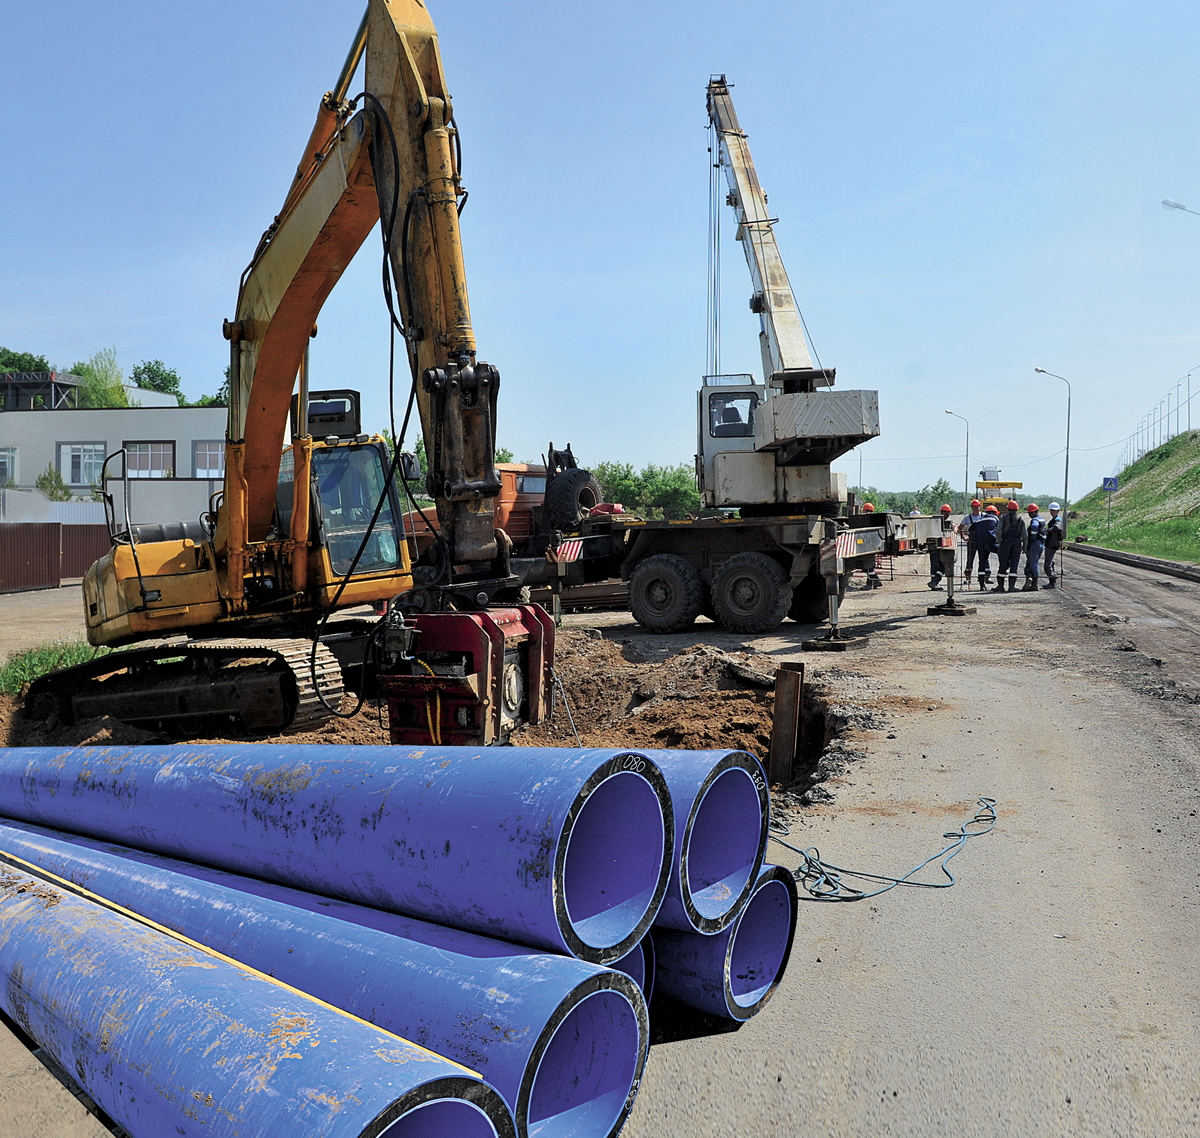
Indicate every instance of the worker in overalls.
{"type": "Point", "coordinates": [936, 571]}
{"type": "Point", "coordinates": [966, 528]}
{"type": "Point", "coordinates": [1012, 545]}
{"type": "Point", "coordinates": [1035, 544]}
{"type": "Point", "coordinates": [1054, 540]}
{"type": "Point", "coordinates": [985, 541]}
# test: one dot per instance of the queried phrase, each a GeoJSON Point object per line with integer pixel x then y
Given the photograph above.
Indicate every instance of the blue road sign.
{"type": "Point", "coordinates": [1110, 484]}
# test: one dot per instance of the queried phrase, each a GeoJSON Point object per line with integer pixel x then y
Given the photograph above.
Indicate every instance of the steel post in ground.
{"type": "Point", "coordinates": [785, 723]}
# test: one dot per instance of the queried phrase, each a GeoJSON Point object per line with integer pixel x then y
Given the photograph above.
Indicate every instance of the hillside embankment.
{"type": "Point", "coordinates": [1156, 512]}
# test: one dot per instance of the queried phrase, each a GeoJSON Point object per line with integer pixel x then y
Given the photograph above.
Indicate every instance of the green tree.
{"type": "Point", "coordinates": [503, 454]}
{"type": "Point", "coordinates": [50, 482]}
{"type": "Point", "coordinates": [620, 482]}
{"type": "Point", "coordinates": [154, 375]}
{"type": "Point", "coordinates": [669, 491]}
{"type": "Point", "coordinates": [102, 381]}
{"type": "Point", "coordinates": [21, 361]}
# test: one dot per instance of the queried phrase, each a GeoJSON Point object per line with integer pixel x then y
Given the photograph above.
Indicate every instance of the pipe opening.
{"type": "Point", "coordinates": [442, 1118]}
{"type": "Point", "coordinates": [614, 860]}
{"type": "Point", "coordinates": [724, 845]}
{"type": "Point", "coordinates": [760, 944]}
{"type": "Point", "coordinates": [587, 1070]}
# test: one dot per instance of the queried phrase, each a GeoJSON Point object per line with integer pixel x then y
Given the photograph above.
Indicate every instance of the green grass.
{"type": "Point", "coordinates": [26, 666]}
{"type": "Point", "coordinates": [1157, 510]}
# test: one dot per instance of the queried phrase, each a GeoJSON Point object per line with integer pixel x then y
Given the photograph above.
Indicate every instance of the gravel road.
{"type": "Point", "coordinates": [1056, 988]}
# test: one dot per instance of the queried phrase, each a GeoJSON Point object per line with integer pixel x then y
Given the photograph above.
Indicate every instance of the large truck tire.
{"type": "Point", "coordinates": [569, 497]}
{"type": "Point", "coordinates": [750, 593]}
{"type": "Point", "coordinates": [665, 593]}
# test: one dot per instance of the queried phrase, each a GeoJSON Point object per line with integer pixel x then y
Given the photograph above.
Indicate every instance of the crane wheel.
{"type": "Point", "coordinates": [665, 593]}
{"type": "Point", "coordinates": [750, 593]}
{"type": "Point", "coordinates": [569, 497]}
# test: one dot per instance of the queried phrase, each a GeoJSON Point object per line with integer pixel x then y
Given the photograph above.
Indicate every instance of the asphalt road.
{"type": "Point", "coordinates": [1055, 989]}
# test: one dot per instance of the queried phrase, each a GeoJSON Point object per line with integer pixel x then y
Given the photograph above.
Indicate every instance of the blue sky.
{"type": "Point", "coordinates": [965, 191]}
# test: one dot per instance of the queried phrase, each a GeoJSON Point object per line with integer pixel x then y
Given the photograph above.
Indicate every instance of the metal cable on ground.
{"type": "Point", "coordinates": [566, 703]}
{"type": "Point", "coordinates": [823, 882]}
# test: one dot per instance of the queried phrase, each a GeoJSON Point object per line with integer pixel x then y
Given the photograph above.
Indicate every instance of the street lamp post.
{"type": "Point", "coordinates": [1067, 464]}
{"type": "Point", "coordinates": [966, 461]}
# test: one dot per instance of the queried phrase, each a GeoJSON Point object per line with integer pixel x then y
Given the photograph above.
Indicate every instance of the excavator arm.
{"type": "Point", "coordinates": [395, 160]}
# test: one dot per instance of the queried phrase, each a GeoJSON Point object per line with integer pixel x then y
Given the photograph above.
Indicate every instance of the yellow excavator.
{"type": "Point", "coordinates": [237, 605]}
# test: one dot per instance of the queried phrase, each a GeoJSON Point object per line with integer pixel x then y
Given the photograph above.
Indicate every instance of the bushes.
{"type": "Point", "coordinates": [658, 491]}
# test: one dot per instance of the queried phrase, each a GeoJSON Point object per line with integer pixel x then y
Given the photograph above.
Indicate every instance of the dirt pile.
{"type": "Point", "coordinates": [698, 698]}
{"type": "Point", "coordinates": [620, 694]}
{"type": "Point", "coordinates": [18, 730]}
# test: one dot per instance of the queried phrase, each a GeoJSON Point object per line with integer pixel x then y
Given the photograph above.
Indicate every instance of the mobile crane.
{"type": "Point", "coordinates": [302, 530]}
{"type": "Point", "coordinates": [786, 542]}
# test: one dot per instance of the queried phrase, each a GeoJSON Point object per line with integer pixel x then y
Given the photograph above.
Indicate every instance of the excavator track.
{"type": "Point", "coordinates": [189, 688]}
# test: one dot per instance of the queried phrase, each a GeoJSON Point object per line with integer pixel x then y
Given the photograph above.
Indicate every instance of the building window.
{"type": "Point", "coordinates": [8, 465]}
{"type": "Point", "coordinates": [208, 459]}
{"type": "Point", "coordinates": [80, 463]}
{"type": "Point", "coordinates": [151, 460]}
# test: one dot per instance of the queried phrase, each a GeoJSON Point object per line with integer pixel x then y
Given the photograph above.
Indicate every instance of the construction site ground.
{"type": "Point", "coordinates": [1052, 990]}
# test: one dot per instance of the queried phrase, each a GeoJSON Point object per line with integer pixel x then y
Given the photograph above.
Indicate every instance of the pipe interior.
{"type": "Point", "coordinates": [759, 943]}
{"type": "Point", "coordinates": [614, 860]}
{"type": "Point", "coordinates": [442, 1118]}
{"type": "Point", "coordinates": [633, 964]}
{"type": "Point", "coordinates": [723, 845]}
{"type": "Point", "coordinates": [586, 1072]}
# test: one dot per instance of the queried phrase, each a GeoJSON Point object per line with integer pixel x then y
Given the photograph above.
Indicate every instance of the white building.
{"type": "Point", "coordinates": [176, 454]}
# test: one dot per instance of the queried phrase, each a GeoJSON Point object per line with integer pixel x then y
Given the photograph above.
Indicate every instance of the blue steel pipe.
{"type": "Point", "coordinates": [722, 810]}
{"type": "Point", "coordinates": [561, 849]}
{"type": "Point", "coordinates": [563, 1041]}
{"type": "Point", "coordinates": [638, 964]}
{"type": "Point", "coordinates": [736, 971]}
{"type": "Point", "coordinates": [170, 1038]}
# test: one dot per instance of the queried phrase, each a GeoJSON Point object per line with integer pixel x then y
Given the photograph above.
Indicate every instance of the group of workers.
{"type": "Point", "coordinates": [1008, 537]}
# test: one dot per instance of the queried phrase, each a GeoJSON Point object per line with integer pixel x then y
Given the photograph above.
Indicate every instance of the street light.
{"type": "Point", "coordinates": [1169, 204]}
{"type": "Point", "coordinates": [1067, 463]}
{"type": "Point", "coordinates": [966, 459]}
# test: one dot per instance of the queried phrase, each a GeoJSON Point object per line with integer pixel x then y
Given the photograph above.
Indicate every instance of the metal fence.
{"type": "Point", "coordinates": [40, 555]}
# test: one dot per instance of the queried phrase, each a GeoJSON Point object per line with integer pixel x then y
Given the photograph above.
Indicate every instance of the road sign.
{"type": "Point", "coordinates": [1110, 484]}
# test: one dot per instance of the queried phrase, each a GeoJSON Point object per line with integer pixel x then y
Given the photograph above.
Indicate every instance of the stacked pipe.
{"type": "Point", "coordinates": [490, 905]}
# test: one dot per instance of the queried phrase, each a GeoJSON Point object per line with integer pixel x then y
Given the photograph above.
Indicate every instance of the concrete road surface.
{"type": "Point", "coordinates": [38, 617]}
{"type": "Point", "coordinates": [1055, 989]}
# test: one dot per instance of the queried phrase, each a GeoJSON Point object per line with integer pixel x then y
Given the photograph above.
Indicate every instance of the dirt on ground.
{"type": "Point", "coordinates": [699, 698]}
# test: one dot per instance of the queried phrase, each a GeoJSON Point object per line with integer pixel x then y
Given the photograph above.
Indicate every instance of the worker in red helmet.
{"type": "Point", "coordinates": [966, 528]}
{"type": "Point", "coordinates": [986, 532]}
{"type": "Point", "coordinates": [937, 568]}
{"type": "Point", "coordinates": [874, 581]}
{"type": "Point", "coordinates": [1012, 545]}
{"type": "Point", "coordinates": [1035, 544]}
